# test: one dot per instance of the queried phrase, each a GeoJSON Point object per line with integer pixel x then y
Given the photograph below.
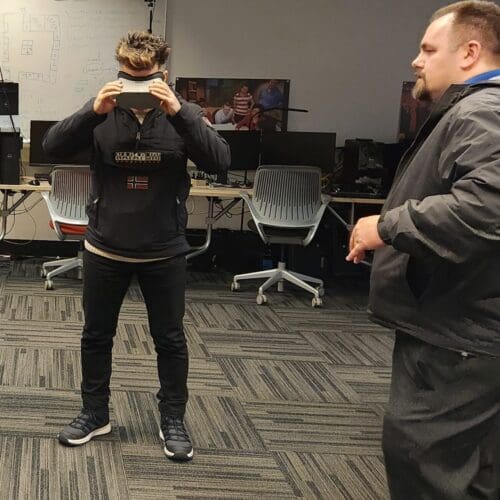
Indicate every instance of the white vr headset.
{"type": "Point", "coordinates": [135, 91]}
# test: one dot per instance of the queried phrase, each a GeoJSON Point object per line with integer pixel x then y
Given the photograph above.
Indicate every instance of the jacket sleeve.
{"type": "Point", "coordinates": [463, 224]}
{"type": "Point", "coordinates": [205, 147]}
{"type": "Point", "coordinates": [74, 133]}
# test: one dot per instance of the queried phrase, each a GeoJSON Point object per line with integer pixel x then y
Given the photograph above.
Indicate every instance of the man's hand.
{"type": "Point", "coordinates": [106, 98]}
{"type": "Point", "coordinates": [168, 100]}
{"type": "Point", "coordinates": [364, 236]}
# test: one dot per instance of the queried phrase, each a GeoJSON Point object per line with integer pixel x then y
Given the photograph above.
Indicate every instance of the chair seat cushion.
{"type": "Point", "coordinates": [75, 229]}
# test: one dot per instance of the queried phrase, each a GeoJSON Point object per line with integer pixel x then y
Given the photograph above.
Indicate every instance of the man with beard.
{"type": "Point", "coordinates": [436, 269]}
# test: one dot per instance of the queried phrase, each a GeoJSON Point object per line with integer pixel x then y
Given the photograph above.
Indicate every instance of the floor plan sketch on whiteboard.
{"type": "Point", "coordinates": [36, 39]}
{"type": "Point", "coordinates": [62, 52]}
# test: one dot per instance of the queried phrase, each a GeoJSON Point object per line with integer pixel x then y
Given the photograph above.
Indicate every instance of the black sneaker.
{"type": "Point", "coordinates": [83, 428]}
{"type": "Point", "coordinates": [177, 445]}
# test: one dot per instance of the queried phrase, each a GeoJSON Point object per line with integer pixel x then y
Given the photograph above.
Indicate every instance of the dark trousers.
{"type": "Point", "coordinates": [162, 283]}
{"type": "Point", "coordinates": [441, 436]}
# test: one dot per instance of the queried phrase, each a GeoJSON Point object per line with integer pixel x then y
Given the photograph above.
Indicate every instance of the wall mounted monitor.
{"type": "Point", "coordinates": [239, 103]}
{"type": "Point", "coordinates": [38, 157]}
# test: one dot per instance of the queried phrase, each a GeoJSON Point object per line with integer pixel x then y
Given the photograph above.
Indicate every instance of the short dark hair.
{"type": "Point", "coordinates": [475, 19]}
{"type": "Point", "coordinates": [142, 50]}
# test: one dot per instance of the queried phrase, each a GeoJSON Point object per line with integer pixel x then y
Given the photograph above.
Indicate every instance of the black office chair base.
{"type": "Point", "coordinates": [60, 266]}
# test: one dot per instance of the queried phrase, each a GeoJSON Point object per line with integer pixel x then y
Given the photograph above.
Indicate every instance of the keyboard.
{"type": "Point", "coordinates": [42, 177]}
{"type": "Point", "coordinates": [354, 194]}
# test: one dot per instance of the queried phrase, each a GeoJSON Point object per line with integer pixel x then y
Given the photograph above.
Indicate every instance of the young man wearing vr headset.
{"type": "Point", "coordinates": [142, 134]}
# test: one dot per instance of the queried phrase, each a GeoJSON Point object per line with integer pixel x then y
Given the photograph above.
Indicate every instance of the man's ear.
{"type": "Point", "coordinates": [472, 51]}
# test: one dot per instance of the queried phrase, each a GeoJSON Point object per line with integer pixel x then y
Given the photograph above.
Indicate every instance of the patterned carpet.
{"type": "Point", "coordinates": [286, 401]}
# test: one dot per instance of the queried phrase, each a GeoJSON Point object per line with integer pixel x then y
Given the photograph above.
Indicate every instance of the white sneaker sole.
{"type": "Point", "coordinates": [169, 454]}
{"type": "Point", "coordinates": [106, 429]}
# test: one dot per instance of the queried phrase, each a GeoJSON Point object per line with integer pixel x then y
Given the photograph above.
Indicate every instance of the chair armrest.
{"type": "Point", "coordinates": [255, 216]}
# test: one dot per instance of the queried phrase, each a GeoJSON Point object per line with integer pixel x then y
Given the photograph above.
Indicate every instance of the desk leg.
{"type": "Point", "coordinates": [351, 217]}
{"type": "Point", "coordinates": [6, 211]}
{"type": "Point", "coordinates": [348, 225]}
{"type": "Point", "coordinates": [5, 214]}
{"type": "Point", "coordinates": [339, 218]}
{"type": "Point", "coordinates": [210, 223]}
{"type": "Point", "coordinates": [208, 238]}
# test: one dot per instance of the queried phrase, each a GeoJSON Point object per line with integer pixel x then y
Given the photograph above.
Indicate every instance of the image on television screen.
{"type": "Point", "coordinates": [239, 103]}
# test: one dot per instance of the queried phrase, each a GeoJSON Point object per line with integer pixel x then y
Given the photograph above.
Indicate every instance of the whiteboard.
{"type": "Point", "coordinates": [61, 52]}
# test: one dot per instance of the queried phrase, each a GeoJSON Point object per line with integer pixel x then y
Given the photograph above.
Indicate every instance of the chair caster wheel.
{"type": "Point", "coordinates": [261, 299]}
{"type": "Point", "coordinates": [316, 302]}
{"type": "Point", "coordinates": [321, 291]}
{"type": "Point", "coordinates": [49, 285]}
{"type": "Point", "coordinates": [235, 286]}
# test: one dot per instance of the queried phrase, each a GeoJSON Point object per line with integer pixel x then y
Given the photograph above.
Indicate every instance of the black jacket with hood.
{"type": "Point", "coordinates": [439, 277]}
{"type": "Point", "coordinates": [140, 182]}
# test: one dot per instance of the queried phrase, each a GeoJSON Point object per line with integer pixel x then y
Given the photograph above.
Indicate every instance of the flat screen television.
{"type": "Point", "coordinates": [239, 103]}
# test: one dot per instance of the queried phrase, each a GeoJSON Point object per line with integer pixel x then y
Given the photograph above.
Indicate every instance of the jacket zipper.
{"type": "Point", "coordinates": [95, 202]}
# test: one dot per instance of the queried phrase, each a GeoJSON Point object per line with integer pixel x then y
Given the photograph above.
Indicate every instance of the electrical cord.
{"type": "Point", "coordinates": [26, 210]}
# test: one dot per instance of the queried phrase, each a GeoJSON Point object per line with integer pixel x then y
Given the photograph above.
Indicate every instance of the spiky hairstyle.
{"type": "Point", "coordinates": [142, 50]}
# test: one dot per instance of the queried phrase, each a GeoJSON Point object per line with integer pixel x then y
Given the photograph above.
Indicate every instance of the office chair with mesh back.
{"type": "Point", "coordinates": [66, 203]}
{"type": "Point", "coordinates": [286, 208]}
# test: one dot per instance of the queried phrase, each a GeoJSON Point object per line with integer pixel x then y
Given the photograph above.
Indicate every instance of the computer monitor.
{"type": "Point", "coordinates": [245, 150]}
{"type": "Point", "coordinates": [299, 148]}
{"type": "Point", "coordinates": [38, 157]}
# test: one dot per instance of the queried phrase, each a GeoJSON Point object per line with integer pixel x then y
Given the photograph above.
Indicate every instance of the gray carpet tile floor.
{"type": "Point", "coordinates": [286, 401]}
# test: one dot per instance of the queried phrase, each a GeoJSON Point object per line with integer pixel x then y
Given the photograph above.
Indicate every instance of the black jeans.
{"type": "Point", "coordinates": [442, 429]}
{"type": "Point", "coordinates": [163, 284]}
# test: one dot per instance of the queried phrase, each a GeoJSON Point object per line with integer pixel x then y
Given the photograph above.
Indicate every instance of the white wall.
{"type": "Point", "coordinates": [346, 59]}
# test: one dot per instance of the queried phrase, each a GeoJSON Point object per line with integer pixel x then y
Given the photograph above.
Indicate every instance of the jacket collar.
{"type": "Point", "coordinates": [453, 94]}
{"type": "Point", "coordinates": [487, 75]}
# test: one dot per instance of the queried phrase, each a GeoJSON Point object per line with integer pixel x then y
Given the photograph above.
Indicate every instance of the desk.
{"type": "Point", "coordinates": [353, 202]}
{"type": "Point", "coordinates": [25, 190]}
{"type": "Point", "coordinates": [212, 193]}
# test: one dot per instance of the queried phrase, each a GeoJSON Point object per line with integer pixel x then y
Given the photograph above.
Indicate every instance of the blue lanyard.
{"type": "Point", "coordinates": [488, 75]}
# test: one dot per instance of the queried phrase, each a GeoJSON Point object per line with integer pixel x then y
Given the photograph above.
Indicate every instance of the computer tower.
{"type": "Point", "coordinates": [9, 98]}
{"type": "Point", "coordinates": [392, 154]}
{"type": "Point", "coordinates": [10, 152]}
{"type": "Point", "coordinates": [363, 167]}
